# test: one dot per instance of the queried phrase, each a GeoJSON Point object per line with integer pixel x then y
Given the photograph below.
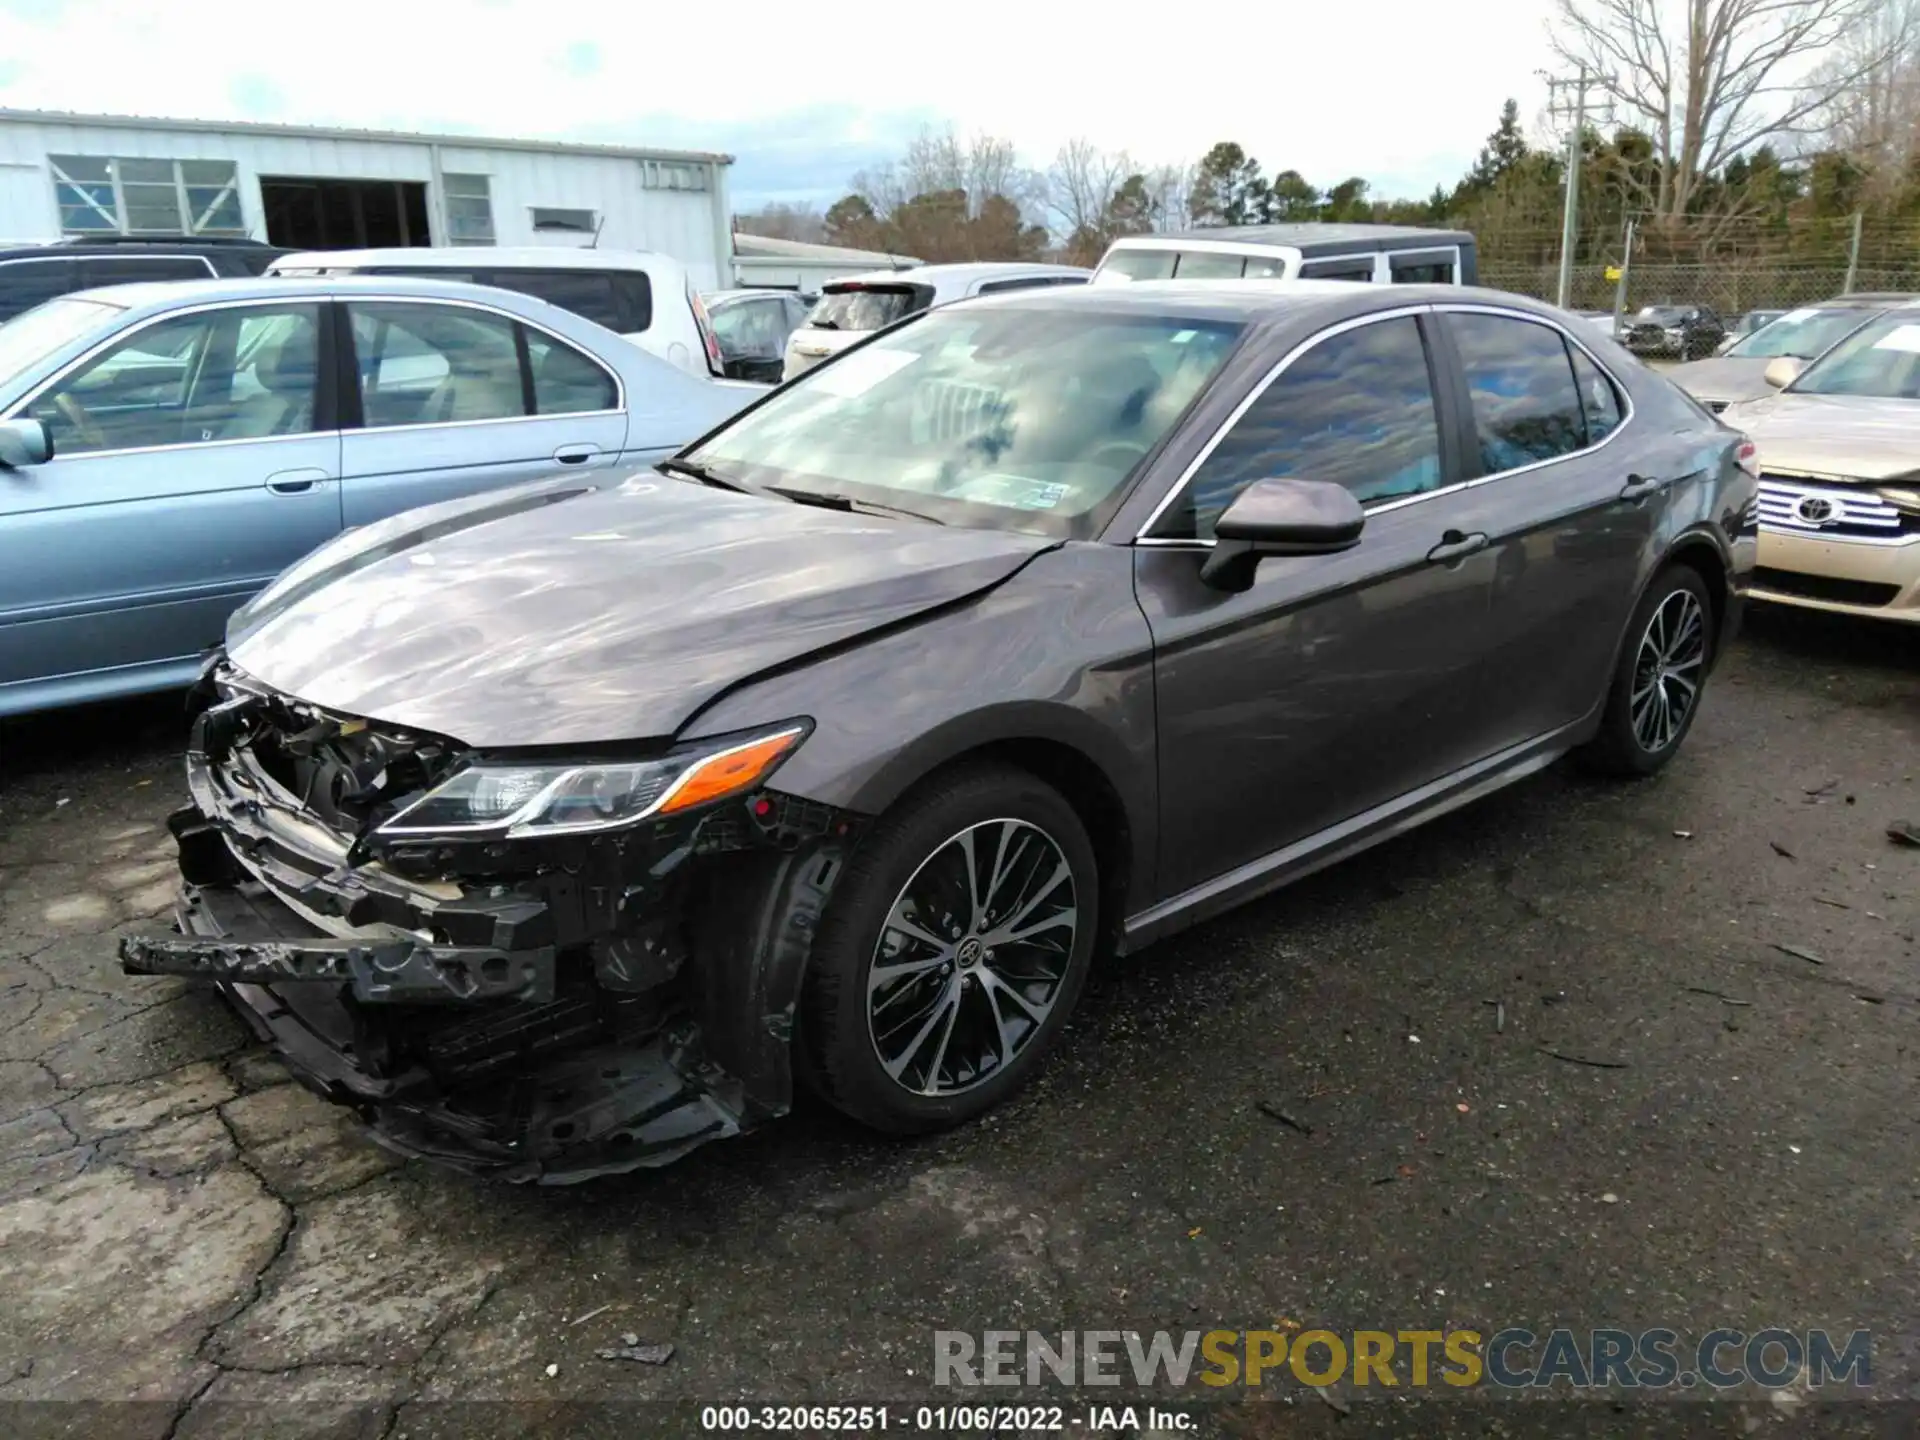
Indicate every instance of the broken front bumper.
{"type": "Point", "coordinates": [548, 1011]}
{"type": "Point", "coordinates": [584, 1112]}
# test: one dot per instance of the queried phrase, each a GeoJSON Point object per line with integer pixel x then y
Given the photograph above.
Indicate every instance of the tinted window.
{"type": "Point", "coordinates": [1356, 409]}
{"type": "Point", "coordinates": [1598, 398]}
{"type": "Point", "coordinates": [1338, 269]}
{"type": "Point", "coordinates": [1525, 407]}
{"type": "Point", "coordinates": [435, 364]}
{"type": "Point", "coordinates": [636, 299]}
{"type": "Point", "coordinates": [134, 269]}
{"type": "Point", "coordinates": [245, 373]}
{"type": "Point", "coordinates": [565, 382]}
{"type": "Point", "coordinates": [584, 292]}
{"type": "Point", "coordinates": [1421, 272]}
{"type": "Point", "coordinates": [867, 309]}
{"type": "Point", "coordinates": [26, 283]}
{"type": "Point", "coordinates": [1199, 265]}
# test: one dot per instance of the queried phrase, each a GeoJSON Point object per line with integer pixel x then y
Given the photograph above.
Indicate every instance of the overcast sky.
{"type": "Point", "coordinates": [1401, 92]}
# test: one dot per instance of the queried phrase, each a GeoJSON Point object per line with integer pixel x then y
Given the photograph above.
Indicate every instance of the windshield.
{"type": "Point", "coordinates": [1017, 419]}
{"type": "Point", "coordinates": [1805, 333]}
{"type": "Point", "coordinates": [863, 309]}
{"type": "Point", "coordinates": [31, 337]}
{"type": "Point", "coordinates": [1881, 358]}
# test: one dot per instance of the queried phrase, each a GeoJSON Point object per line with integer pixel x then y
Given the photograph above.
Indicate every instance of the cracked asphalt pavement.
{"type": "Point", "coordinates": [182, 1227]}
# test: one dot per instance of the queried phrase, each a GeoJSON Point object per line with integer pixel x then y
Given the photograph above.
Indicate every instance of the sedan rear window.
{"type": "Point", "coordinates": [870, 307]}
{"type": "Point", "coordinates": [1016, 419]}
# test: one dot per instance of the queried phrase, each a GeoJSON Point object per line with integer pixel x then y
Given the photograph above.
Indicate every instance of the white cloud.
{"type": "Point", "coordinates": [1399, 91]}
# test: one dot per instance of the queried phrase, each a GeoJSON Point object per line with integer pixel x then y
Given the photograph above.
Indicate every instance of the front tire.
{"type": "Point", "coordinates": [1659, 678]}
{"type": "Point", "coordinates": [953, 951]}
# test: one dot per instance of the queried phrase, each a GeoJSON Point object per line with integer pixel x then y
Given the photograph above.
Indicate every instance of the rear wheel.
{"type": "Point", "coordinates": [955, 947]}
{"type": "Point", "coordinates": [1659, 678]}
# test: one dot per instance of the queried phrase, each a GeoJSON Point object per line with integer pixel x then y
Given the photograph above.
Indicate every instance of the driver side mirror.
{"type": "Point", "coordinates": [1280, 517]}
{"type": "Point", "coordinates": [24, 442]}
{"type": "Point", "coordinates": [1783, 370]}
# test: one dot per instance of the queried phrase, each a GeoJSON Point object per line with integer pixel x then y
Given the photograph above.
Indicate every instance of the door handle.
{"type": "Point", "coordinates": [295, 482]}
{"type": "Point", "coordinates": [1639, 487]}
{"type": "Point", "coordinates": [1454, 545]}
{"type": "Point", "coordinates": [576, 454]}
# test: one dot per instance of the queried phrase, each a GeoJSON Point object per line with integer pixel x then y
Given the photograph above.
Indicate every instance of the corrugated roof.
{"type": "Point", "coordinates": [326, 132]}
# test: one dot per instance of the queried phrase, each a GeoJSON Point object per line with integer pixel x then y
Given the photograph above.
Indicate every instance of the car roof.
{"type": "Point", "coordinates": [1303, 235]}
{"type": "Point", "coordinates": [158, 245]}
{"type": "Point", "coordinates": [1250, 300]}
{"type": "Point", "coordinates": [957, 273]}
{"type": "Point", "coordinates": [183, 294]}
{"type": "Point", "coordinates": [481, 257]}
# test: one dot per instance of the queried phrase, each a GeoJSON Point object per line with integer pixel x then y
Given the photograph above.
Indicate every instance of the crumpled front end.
{"type": "Point", "coordinates": [546, 1008]}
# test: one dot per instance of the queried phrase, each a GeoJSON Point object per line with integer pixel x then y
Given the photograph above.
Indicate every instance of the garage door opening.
{"type": "Point", "coordinates": [316, 214]}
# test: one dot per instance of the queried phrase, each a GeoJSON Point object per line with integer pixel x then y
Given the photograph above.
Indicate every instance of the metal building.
{"type": "Point", "coordinates": [317, 189]}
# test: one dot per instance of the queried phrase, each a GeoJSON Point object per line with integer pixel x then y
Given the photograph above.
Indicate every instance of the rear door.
{"type": "Point", "coordinates": [1555, 485]}
{"type": "Point", "coordinates": [194, 459]}
{"type": "Point", "coordinates": [454, 398]}
{"type": "Point", "coordinates": [1335, 683]}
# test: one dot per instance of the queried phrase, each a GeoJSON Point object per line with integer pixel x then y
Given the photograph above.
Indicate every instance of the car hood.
{"type": "Point", "coordinates": [1845, 436]}
{"type": "Point", "coordinates": [558, 614]}
{"type": "Point", "coordinates": [1724, 378]}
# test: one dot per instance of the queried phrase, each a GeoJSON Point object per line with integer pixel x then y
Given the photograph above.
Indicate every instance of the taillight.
{"type": "Point", "coordinates": [1748, 458]}
{"type": "Point", "coordinates": [707, 338]}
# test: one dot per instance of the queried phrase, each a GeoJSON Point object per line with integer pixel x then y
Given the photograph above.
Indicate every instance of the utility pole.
{"type": "Point", "coordinates": [1567, 99]}
{"type": "Point", "coordinates": [1620, 287]}
{"type": "Point", "coordinates": [1853, 256]}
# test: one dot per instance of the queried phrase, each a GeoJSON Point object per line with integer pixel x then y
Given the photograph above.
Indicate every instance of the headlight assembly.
{"type": "Point", "coordinates": [517, 801]}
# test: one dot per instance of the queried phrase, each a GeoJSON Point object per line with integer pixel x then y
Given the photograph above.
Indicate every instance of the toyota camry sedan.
{"type": "Point", "coordinates": [560, 830]}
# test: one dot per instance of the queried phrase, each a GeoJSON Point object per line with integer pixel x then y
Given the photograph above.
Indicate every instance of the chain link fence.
{"type": "Point", "coordinates": [1731, 290]}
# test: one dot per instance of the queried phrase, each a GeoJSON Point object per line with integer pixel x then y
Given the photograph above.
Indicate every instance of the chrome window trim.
{"type": "Point", "coordinates": [1626, 396]}
{"type": "Point", "coordinates": [619, 385]}
{"type": "Point", "coordinates": [1179, 486]}
{"type": "Point", "coordinates": [248, 302]}
{"type": "Point", "coordinates": [1141, 537]}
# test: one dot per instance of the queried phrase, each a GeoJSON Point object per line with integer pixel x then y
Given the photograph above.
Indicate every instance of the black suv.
{"type": "Point", "coordinates": [33, 273]}
{"type": "Point", "coordinates": [1686, 332]}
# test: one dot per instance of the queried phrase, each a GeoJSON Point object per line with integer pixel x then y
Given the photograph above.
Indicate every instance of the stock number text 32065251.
{"type": "Point", "coordinates": [871, 1419]}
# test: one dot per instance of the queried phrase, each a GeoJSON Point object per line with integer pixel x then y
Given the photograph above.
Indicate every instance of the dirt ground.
{"type": "Point", "coordinates": [182, 1227]}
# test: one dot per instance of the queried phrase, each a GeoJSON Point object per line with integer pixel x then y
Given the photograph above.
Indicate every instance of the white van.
{"type": "Point", "coordinates": [851, 309]}
{"type": "Point", "coordinates": [1378, 254]}
{"type": "Point", "coordinates": [643, 296]}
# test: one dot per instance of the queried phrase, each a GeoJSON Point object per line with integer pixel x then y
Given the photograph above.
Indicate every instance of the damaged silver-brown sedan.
{"type": "Point", "coordinates": [558, 831]}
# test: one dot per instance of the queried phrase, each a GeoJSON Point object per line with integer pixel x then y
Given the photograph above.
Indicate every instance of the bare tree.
{"type": "Point", "coordinates": [1708, 79]}
{"type": "Point", "coordinates": [1081, 184]}
{"type": "Point", "coordinates": [1876, 119]}
{"type": "Point", "coordinates": [779, 221]}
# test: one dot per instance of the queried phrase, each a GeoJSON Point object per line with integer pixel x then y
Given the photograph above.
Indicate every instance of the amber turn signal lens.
{"type": "Point", "coordinates": [727, 772]}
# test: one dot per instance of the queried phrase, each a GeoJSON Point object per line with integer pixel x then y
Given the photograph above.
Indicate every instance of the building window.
{"type": "Point", "coordinates": [570, 222]}
{"type": "Point", "coordinates": [100, 194]}
{"type": "Point", "coordinates": [469, 210]}
{"type": "Point", "coordinates": [673, 175]}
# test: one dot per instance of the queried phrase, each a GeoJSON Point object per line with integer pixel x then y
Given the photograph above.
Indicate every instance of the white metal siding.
{"type": "Point", "coordinates": [689, 225]}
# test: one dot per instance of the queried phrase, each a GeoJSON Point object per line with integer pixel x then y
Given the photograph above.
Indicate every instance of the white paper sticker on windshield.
{"type": "Point", "coordinates": [858, 373]}
{"type": "Point", "coordinates": [1901, 337]}
{"type": "Point", "coordinates": [1794, 317]}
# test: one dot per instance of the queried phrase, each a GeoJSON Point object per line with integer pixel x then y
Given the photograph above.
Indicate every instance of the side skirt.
{"type": "Point", "coordinates": [1350, 836]}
